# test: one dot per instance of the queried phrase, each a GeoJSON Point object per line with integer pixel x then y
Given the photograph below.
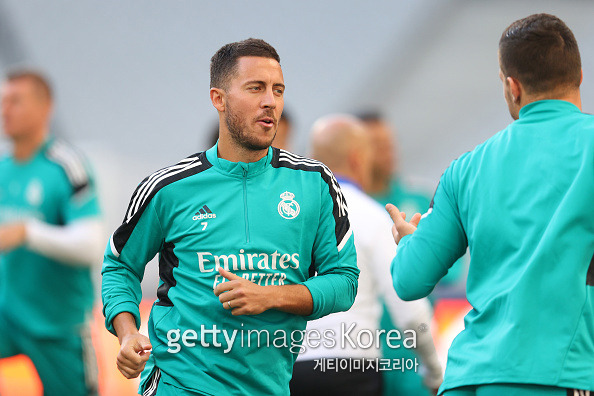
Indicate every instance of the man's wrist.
{"type": "Point", "coordinates": [272, 297]}
{"type": "Point", "coordinates": [124, 325]}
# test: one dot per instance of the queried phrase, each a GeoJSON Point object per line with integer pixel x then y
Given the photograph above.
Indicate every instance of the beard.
{"type": "Point", "coordinates": [239, 131]}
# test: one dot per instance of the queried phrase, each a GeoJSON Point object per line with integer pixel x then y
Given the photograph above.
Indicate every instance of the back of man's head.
{"type": "Point", "coordinates": [341, 142]}
{"type": "Point", "coordinates": [541, 52]}
{"type": "Point", "coordinates": [224, 61]}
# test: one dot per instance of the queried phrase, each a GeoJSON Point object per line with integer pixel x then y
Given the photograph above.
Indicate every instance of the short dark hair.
{"type": "Point", "coordinates": [224, 62]}
{"type": "Point", "coordinates": [542, 53]}
{"type": "Point", "coordinates": [38, 79]}
{"type": "Point", "coordinates": [370, 116]}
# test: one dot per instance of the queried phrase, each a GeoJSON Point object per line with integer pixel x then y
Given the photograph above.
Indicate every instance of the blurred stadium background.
{"type": "Point", "coordinates": [131, 81]}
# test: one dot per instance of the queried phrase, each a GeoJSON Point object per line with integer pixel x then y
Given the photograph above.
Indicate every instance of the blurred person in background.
{"type": "Point", "coordinates": [50, 238]}
{"type": "Point", "coordinates": [387, 185]}
{"type": "Point", "coordinates": [342, 143]}
{"type": "Point", "coordinates": [522, 203]}
{"type": "Point", "coordinates": [282, 139]}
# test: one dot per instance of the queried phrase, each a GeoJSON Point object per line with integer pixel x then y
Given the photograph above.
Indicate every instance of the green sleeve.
{"type": "Point", "coordinates": [334, 257]}
{"type": "Point", "coordinates": [424, 257]}
{"type": "Point", "coordinates": [130, 248]}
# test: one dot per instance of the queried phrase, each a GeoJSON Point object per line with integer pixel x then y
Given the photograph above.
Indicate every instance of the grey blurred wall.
{"type": "Point", "coordinates": [132, 79]}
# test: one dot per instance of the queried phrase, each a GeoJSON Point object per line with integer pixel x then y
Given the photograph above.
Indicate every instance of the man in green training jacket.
{"type": "Point", "coordinates": [50, 239]}
{"type": "Point", "coordinates": [522, 202]}
{"type": "Point", "coordinates": [239, 230]}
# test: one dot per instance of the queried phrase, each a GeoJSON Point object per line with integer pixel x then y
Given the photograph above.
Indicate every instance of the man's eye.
{"type": "Point", "coordinates": [254, 88]}
{"type": "Point", "coordinates": [279, 91]}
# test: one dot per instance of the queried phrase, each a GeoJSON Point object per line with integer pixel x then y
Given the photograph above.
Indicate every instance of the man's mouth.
{"type": "Point", "coordinates": [267, 122]}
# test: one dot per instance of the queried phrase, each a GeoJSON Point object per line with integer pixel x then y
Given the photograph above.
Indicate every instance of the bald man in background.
{"type": "Point", "coordinates": [342, 143]}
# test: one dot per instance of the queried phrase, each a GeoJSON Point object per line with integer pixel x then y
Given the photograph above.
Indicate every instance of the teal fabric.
{"type": "Point", "coordinates": [256, 234]}
{"type": "Point", "coordinates": [507, 390]}
{"type": "Point", "coordinates": [43, 296]}
{"type": "Point", "coordinates": [522, 202]}
{"type": "Point", "coordinates": [65, 365]}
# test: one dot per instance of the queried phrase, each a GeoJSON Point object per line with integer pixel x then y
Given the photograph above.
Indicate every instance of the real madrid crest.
{"type": "Point", "coordinates": [288, 208]}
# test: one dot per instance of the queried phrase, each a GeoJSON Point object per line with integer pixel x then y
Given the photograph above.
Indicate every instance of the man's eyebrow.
{"type": "Point", "coordinates": [255, 82]}
{"type": "Point", "coordinates": [259, 82]}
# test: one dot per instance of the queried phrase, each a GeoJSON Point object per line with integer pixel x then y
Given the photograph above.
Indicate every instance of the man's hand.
{"type": "Point", "coordinates": [134, 353]}
{"type": "Point", "coordinates": [241, 296]}
{"type": "Point", "coordinates": [12, 236]}
{"type": "Point", "coordinates": [401, 227]}
{"type": "Point", "coordinates": [135, 349]}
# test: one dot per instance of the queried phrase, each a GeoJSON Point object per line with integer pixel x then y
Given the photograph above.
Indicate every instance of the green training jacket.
{"type": "Point", "coordinates": [523, 203]}
{"type": "Point", "coordinates": [41, 296]}
{"type": "Point", "coordinates": [275, 222]}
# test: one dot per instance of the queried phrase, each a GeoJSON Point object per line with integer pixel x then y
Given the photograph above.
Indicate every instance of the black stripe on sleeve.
{"type": "Point", "coordinates": [282, 158]}
{"type": "Point", "coordinates": [72, 163]}
{"type": "Point", "coordinates": [147, 189]}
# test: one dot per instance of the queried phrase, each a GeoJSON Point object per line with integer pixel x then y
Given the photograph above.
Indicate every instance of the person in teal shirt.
{"type": "Point", "coordinates": [522, 203]}
{"type": "Point", "coordinates": [240, 231]}
{"type": "Point", "coordinates": [50, 238]}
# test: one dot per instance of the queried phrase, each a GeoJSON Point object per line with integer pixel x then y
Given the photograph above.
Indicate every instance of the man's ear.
{"type": "Point", "coordinates": [217, 97]}
{"type": "Point", "coordinates": [515, 88]}
{"type": "Point", "coordinates": [354, 159]}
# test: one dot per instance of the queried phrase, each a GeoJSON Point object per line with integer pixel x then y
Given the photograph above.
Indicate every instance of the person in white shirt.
{"type": "Point", "coordinates": [343, 361]}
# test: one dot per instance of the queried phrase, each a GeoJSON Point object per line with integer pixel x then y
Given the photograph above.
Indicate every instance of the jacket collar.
{"type": "Point", "coordinates": [238, 169]}
{"type": "Point", "coordinates": [541, 107]}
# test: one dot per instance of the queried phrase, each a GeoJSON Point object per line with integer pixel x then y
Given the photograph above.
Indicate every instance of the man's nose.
{"type": "Point", "coordinates": [268, 99]}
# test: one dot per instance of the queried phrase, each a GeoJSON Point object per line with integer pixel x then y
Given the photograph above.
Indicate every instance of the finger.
{"type": "Point", "coordinates": [127, 371]}
{"type": "Point", "coordinates": [140, 343]}
{"type": "Point", "coordinates": [403, 215]}
{"type": "Point", "coordinates": [145, 344]}
{"type": "Point", "coordinates": [223, 287]}
{"type": "Point", "coordinates": [239, 311]}
{"type": "Point", "coordinates": [144, 356]}
{"type": "Point", "coordinates": [124, 360]}
{"type": "Point", "coordinates": [228, 275]}
{"type": "Point", "coordinates": [236, 304]}
{"type": "Point", "coordinates": [415, 219]}
{"type": "Point", "coordinates": [224, 297]}
{"type": "Point", "coordinates": [394, 213]}
{"type": "Point", "coordinates": [130, 355]}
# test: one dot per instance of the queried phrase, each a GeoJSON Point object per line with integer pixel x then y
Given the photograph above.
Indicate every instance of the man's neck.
{"type": "Point", "coordinates": [23, 149]}
{"type": "Point", "coordinates": [572, 96]}
{"type": "Point", "coordinates": [378, 186]}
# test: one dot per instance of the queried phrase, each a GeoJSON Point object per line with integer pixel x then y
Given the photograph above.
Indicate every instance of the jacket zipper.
{"type": "Point", "coordinates": [245, 207]}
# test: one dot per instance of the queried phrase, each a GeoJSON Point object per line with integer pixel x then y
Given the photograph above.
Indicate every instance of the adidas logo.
{"type": "Point", "coordinates": [204, 213]}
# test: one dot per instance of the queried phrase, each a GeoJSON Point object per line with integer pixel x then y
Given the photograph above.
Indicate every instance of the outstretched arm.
{"type": "Point", "coordinates": [428, 245]}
